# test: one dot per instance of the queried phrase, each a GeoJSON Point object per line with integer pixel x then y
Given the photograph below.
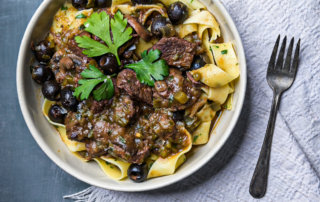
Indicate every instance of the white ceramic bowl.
{"type": "Point", "coordinates": [46, 136]}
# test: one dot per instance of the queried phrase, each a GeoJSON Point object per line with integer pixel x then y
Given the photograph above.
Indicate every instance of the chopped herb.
{"type": "Point", "coordinates": [99, 24]}
{"type": "Point", "coordinates": [64, 8]}
{"type": "Point", "coordinates": [122, 140]}
{"type": "Point", "coordinates": [150, 69]}
{"type": "Point", "coordinates": [210, 48]}
{"type": "Point", "coordinates": [170, 78]}
{"type": "Point", "coordinates": [195, 138]}
{"type": "Point", "coordinates": [107, 163]}
{"type": "Point", "coordinates": [224, 52]}
{"type": "Point", "coordinates": [93, 77]}
{"type": "Point", "coordinates": [216, 46]}
{"type": "Point", "coordinates": [191, 1]}
{"type": "Point", "coordinates": [237, 64]}
{"type": "Point", "coordinates": [81, 16]}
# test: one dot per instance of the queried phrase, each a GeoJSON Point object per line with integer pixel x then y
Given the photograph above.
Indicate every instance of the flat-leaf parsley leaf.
{"type": "Point", "coordinates": [99, 24]}
{"type": "Point", "coordinates": [93, 77]}
{"type": "Point", "coordinates": [148, 69]}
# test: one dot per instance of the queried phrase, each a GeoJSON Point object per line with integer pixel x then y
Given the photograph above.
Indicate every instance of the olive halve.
{"type": "Point", "coordinates": [79, 4]}
{"type": "Point", "coordinates": [141, 2]}
{"type": "Point", "coordinates": [57, 114]}
{"type": "Point", "coordinates": [51, 90]}
{"type": "Point", "coordinates": [108, 63]}
{"type": "Point", "coordinates": [102, 3]}
{"type": "Point", "coordinates": [162, 27]}
{"type": "Point", "coordinates": [197, 63]}
{"type": "Point", "coordinates": [138, 173]}
{"type": "Point", "coordinates": [68, 100]}
{"type": "Point", "coordinates": [43, 51]}
{"type": "Point", "coordinates": [177, 12]}
{"type": "Point", "coordinates": [41, 73]}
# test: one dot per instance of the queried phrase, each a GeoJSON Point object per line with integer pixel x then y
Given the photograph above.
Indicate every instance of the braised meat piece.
{"type": "Point", "coordinates": [175, 92]}
{"type": "Point", "coordinates": [99, 106]}
{"type": "Point", "coordinates": [177, 52]}
{"type": "Point", "coordinates": [128, 82]}
{"type": "Point", "coordinates": [123, 109]}
{"type": "Point", "coordinates": [77, 126]}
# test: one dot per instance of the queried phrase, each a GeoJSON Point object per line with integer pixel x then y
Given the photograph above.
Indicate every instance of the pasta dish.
{"type": "Point", "coordinates": [134, 84]}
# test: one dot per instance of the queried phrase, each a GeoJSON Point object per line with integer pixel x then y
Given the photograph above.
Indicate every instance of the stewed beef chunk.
{"type": "Point", "coordinates": [177, 52]}
{"type": "Point", "coordinates": [127, 81]}
{"type": "Point", "coordinates": [175, 92]}
{"type": "Point", "coordinates": [123, 109]}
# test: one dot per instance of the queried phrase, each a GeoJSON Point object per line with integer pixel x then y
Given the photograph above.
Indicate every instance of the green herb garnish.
{"type": "Point", "coordinates": [93, 77]}
{"type": "Point", "coordinates": [224, 52]}
{"type": "Point", "coordinates": [122, 140]}
{"type": "Point", "coordinates": [64, 8]}
{"type": "Point", "coordinates": [80, 16]}
{"type": "Point", "coordinates": [99, 24]}
{"type": "Point", "coordinates": [195, 138]}
{"type": "Point", "coordinates": [149, 70]}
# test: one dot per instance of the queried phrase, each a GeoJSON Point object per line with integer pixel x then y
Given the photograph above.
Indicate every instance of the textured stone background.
{"type": "Point", "coordinates": [28, 175]}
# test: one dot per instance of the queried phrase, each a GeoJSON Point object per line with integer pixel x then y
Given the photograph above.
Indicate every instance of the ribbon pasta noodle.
{"type": "Point", "coordinates": [206, 21]}
{"type": "Point", "coordinates": [201, 134]}
{"type": "Point", "coordinates": [113, 168]}
{"type": "Point", "coordinates": [167, 166]}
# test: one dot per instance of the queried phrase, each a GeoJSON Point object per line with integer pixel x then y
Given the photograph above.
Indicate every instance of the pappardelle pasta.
{"type": "Point", "coordinates": [134, 84]}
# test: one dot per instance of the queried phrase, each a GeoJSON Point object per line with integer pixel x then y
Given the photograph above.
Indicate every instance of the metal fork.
{"type": "Point", "coordinates": [280, 78]}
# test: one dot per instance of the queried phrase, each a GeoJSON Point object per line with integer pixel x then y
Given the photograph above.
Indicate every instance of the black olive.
{"type": "Point", "coordinates": [138, 173]}
{"type": "Point", "coordinates": [68, 100]}
{"type": "Point", "coordinates": [197, 62]}
{"type": "Point", "coordinates": [102, 3]}
{"type": "Point", "coordinates": [43, 52]}
{"type": "Point", "coordinates": [108, 63]}
{"type": "Point", "coordinates": [177, 12]}
{"type": "Point", "coordinates": [57, 114]}
{"type": "Point", "coordinates": [142, 1]}
{"type": "Point", "coordinates": [79, 4]}
{"type": "Point", "coordinates": [51, 90]}
{"type": "Point", "coordinates": [41, 73]}
{"type": "Point", "coordinates": [162, 27]}
{"type": "Point", "coordinates": [178, 115]}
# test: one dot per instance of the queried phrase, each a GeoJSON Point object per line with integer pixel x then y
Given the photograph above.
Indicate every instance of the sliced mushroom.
{"type": "Point", "coordinates": [139, 28]}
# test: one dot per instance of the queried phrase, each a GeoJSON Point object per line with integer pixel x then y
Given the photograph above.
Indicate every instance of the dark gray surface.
{"type": "Point", "coordinates": [26, 173]}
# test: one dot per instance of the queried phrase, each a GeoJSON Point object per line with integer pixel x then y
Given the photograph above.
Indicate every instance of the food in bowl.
{"type": "Point", "coordinates": [133, 85]}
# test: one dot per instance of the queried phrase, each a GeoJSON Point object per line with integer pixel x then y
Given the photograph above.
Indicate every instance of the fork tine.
{"type": "Point", "coordinates": [281, 54]}
{"type": "Point", "coordinates": [287, 63]}
{"type": "Point", "coordinates": [274, 54]}
{"type": "Point", "coordinates": [295, 62]}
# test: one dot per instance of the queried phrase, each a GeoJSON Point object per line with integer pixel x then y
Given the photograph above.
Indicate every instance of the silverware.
{"type": "Point", "coordinates": [280, 78]}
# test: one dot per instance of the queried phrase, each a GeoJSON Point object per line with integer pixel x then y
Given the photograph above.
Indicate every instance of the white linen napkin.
{"type": "Point", "coordinates": [295, 159]}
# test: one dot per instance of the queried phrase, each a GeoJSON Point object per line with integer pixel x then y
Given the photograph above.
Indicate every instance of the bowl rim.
{"type": "Point", "coordinates": [66, 167]}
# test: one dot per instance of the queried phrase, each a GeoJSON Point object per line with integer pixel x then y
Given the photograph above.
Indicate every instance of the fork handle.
{"type": "Point", "coordinates": [259, 181]}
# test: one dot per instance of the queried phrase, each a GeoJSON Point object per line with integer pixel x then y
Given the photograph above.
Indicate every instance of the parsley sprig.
{"type": "Point", "coordinates": [93, 77]}
{"type": "Point", "coordinates": [99, 24]}
{"type": "Point", "coordinates": [150, 68]}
